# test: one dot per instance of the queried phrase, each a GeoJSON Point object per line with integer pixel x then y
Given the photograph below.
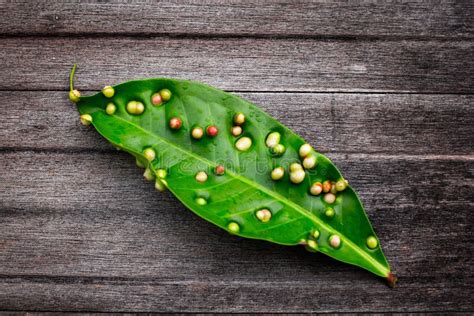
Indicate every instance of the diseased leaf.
{"type": "Point", "coordinates": [235, 166]}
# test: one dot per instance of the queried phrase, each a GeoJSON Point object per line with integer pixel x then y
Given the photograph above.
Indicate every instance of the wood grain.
{"type": "Point", "coordinates": [240, 64]}
{"type": "Point", "coordinates": [385, 90]}
{"type": "Point", "coordinates": [364, 123]}
{"type": "Point", "coordinates": [262, 296]}
{"type": "Point", "coordinates": [240, 18]}
{"type": "Point", "coordinates": [92, 230]}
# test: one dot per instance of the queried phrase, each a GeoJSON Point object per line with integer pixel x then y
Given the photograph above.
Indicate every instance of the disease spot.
{"type": "Point", "coordinates": [309, 162]}
{"type": "Point", "coordinates": [110, 108]}
{"type": "Point", "coordinates": [149, 154]}
{"type": "Point", "coordinates": [305, 150]}
{"type": "Point", "coordinates": [201, 201]}
{"type": "Point", "coordinates": [329, 212]}
{"type": "Point", "coordinates": [335, 241]}
{"type": "Point", "coordinates": [175, 123]}
{"type": "Point", "coordinates": [108, 91]}
{"type": "Point", "coordinates": [219, 170]}
{"type": "Point", "coordinates": [201, 176]}
{"type": "Point", "coordinates": [165, 95]}
{"type": "Point", "coordinates": [156, 99]}
{"type": "Point", "coordinates": [263, 215]}
{"type": "Point", "coordinates": [243, 144]}
{"type": "Point", "coordinates": [236, 131]}
{"type": "Point", "coordinates": [329, 198]}
{"type": "Point", "coordinates": [372, 242]}
{"type": "Point", "coordinates": [316, 188]}
{"type": "Point", "coordinates": [135, 107]}
{"type": "Point", "coordinates": [212, 131]}
{"type": "Point", "coordinates": [316, 234]}
{"type": "Point", "coordinates": [278, 173]}
{"type": "Point", "coordinates": [239, 118]}
{"type": "Point", "coordinates": [297, 176]}
{"type": "Point", "coordinates": [86, 119]}
{"type": "Point", "coordinates": [197, 133]}
{"type": "Point", "coordinates": [233, 227]}
{"type": "Point", "coordinates": [272, 139]}
{"type": "Point", "coordinates": [278, 150]}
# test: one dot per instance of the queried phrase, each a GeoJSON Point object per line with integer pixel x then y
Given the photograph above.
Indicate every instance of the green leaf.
{"type": "Point", "coordinates": [289, 213]}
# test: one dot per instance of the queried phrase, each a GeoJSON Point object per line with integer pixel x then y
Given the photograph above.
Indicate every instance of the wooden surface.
{"type": "Point", "coordinates": [242, 64]}
{"type": "Point", "coordinates": [445, 19]}
{"type": "Point", "coordinates": [386, 91]}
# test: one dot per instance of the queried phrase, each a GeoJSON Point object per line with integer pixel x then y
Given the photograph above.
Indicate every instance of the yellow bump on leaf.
{"type": "Point", "coordinates": [201, 176]}
{"type": "Point", "coordinates": [309, 162]}
{"type": "Point", "coordinates": [341, 185]}
{"type": "Point", "coordinates": [165, 94]}
{"type": "Point", "coordinates": [86, 119]}
{"type": "Point", "coordinates": [329, 212]}
{"type": "Point", "coordinates": [135, 107]}
{"type": "Point", "coordinates": [239, 118]}
{"type": "Point", "coordinates": [272, 139]}
{"type": "Point", "coordinates": [160, 185]}
{"type": "Point", "coordinates": [233, 227]}
{"type": "Point", "coordinates": [316, 234]}
{"type": "Point", "coordinates": [263, 215]}
{"type": "Point", "coordinates": [316, 188]}
{"type": "Point", "coordinates": [243, 144]}
{"type": "Point", "coordinates": [108, 91]}
{"type": "Point", "coordinates": [197, 132]}
{"type": "Point", "coordinates": [295, 167]}
{"type": "Point", "coordinates": [148, 174]}
{"type": "Point", "coordinates": [149, 154]}
{"type": "Point", "coordinates": [110, 108]}
{"type": "Point", "coordinates": [161, 173]}
{"type": "Point", "coordinates": [74, 96]}
{"type": "Point", "coordinates": [278, 173]}
{"type": "Point", "coordinates": [312, 244]}
{"type": "Point", "coordinates": [278, 149]}
{"type": "Point", "coordinates": [139, 163]}
{"type": "Point", "coordinates": [201, 201]}
{"type": "Point", "coordinates": [329, 198]}
{"type": "Point", "coordinates": [139, 108]}
{"type": "Point", "coordinates": [372, 242]}
{"type": "Point", "coordinates": [297, 176]}
{"type": "Point", "coordinates": [305, 150]}
{"type": "Point", "coordinates": [236, 131]}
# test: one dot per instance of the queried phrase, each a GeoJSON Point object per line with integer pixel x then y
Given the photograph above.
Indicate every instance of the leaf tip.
{"type": "Point", "coordinates": [391, 279]}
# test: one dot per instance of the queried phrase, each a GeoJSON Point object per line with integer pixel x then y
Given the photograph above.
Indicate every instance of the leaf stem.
{"type": "Point", "coordinates": [71, 77]}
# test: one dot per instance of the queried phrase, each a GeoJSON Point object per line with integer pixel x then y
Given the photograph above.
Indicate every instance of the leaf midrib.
{"type": "Point", "coordinates": [273, 194]}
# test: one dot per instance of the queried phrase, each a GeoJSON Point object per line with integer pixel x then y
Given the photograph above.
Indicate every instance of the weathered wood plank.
{"type": "Point", "coordinates": [214, 296]}
{"type": "Point", "coordinates": [84, 232]}
{"type": "Point", "coordinates": [241, 18]}
{"type": "Point", "coordinates": [388, 123]}
{"type": "Point", "coordinates": [28, 174]}
{"type": "Point", "coordinates": [241, 64]}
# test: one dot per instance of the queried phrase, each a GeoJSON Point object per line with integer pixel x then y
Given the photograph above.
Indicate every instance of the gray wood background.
{"type": "Point", "coordinates": [386, 91]}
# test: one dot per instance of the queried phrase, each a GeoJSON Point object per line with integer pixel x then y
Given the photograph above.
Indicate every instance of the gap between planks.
{"type": "Point", "coordinates": [329, 91]}
{"type": "Point", "coordinates": [205, 36]}
{"type": "Point", "coordinates": [333, 154]}
{"type": "Point", "coordinates": [32, 312]}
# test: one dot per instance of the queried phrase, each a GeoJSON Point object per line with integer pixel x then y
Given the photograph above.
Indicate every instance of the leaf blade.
{"type": "Point", "coordinates": [295, 213]}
